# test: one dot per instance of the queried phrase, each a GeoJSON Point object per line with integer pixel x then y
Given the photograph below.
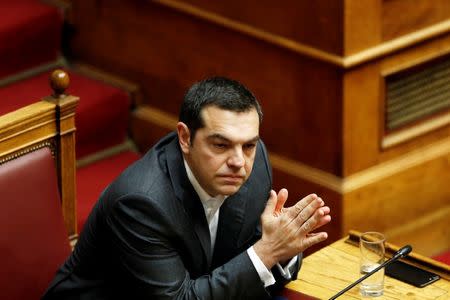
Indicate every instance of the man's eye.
{"type": "Point", "coordinates": [249, 146]}
{"type": "Point", "coordinates": [220, 146]}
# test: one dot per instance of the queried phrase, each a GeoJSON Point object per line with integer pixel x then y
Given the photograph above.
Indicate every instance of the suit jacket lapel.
{"type": "Point", "coordinates": [189, 198]}
{"type": "Point", "coordinates": [231, 218]}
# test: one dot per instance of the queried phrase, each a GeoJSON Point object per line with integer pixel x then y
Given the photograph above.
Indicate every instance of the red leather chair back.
{"type": "Point", "coordinates": [33, 238]}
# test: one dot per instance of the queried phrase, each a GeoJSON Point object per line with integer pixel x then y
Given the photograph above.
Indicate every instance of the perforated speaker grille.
{"type": "Point", "coordinates": [417, 93]}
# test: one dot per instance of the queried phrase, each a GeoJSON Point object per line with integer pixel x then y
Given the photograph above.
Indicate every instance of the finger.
{"type": "Point", "coordinates": [324, 218]}
{"type": "Point", "coordinates": [312, 239]}
{"type": "Point", "coordinates": [281, 200]}
{"type": "Point", "coordinates": [311, 234]}
{"type": "Point", "coordinates": [271, 203]}
{"type": "Point", "coordinates": [318, 219]}
{"type": "Point", "coordinates": [323, 221]}
{"type": "Point", "coordinates": [307, 213]}
{"type": "Point", "coordinates": [300, 205]}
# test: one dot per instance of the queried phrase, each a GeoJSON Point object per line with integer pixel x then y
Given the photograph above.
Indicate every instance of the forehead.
{"type": "Point", "coordinates": [235, 126]}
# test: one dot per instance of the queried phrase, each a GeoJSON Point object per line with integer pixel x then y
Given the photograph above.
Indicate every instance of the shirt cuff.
{"type": "Point", "coordinates": [286, 271]}
{"type": "Point", "coordinates": [265, 275]}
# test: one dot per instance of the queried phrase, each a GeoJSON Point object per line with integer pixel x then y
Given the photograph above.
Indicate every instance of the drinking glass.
{"type": "Point", "coordinates": [371, 245]}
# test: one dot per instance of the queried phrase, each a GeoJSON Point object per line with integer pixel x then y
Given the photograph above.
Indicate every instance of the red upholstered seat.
{"type": "Point", "coordinates": [443, 257]}
{"type": "Point", "coordinates": [102, 114]}
{"type": "Point", "coordinates": [30, 35]}
{"type": "Point", "coordinates": [33, 238]}
{"type": "Point", "coordinates": [92, 179]}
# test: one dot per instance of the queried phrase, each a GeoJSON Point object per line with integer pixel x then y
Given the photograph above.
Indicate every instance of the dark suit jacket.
{"type": "Point", "coordinates": [148, 238]}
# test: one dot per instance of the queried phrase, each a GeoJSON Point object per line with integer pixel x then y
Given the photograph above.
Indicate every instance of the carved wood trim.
{"type": "Point", "coordinates": [48, 143]}
{"type": "Point", "coordinates": [286, 43]}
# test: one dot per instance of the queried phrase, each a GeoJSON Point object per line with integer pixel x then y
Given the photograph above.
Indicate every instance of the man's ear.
{"type": "Point", "coordinates": [184, 137]}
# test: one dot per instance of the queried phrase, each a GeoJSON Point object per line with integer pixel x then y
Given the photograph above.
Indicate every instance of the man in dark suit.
{"type": "Point", "coordinates": [195, 218]}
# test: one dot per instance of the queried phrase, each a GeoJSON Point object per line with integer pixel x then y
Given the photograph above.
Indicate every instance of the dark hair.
{"type": "Point", "coordinates": [222, 92]}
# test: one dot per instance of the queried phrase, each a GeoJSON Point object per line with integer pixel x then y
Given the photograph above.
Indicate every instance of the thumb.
{"type": "Point", "coordinates": [281, 200]}
{"type": "Point", "coordinates": [271, 203]}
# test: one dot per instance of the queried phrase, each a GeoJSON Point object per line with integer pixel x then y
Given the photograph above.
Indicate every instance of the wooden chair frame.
{"type": "Point", "coordinates": [47, 123]}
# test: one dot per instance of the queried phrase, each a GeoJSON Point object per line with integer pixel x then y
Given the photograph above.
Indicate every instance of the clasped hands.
{"type": "Point", "coordinates": [287, 231]}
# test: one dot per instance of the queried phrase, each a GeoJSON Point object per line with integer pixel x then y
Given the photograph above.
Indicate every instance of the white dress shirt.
{"type": "Point", "coordinates": [212, 205]}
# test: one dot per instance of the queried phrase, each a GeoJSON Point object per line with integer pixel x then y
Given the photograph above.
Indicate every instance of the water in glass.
{"type": "Point", "coordinates": [372, 286]}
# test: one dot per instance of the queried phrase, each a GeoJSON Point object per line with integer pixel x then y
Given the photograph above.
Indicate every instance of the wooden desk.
{"type": "Point", "coordinates": [331, 269]}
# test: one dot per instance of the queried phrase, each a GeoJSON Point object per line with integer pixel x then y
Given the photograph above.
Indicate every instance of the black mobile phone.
{"type": "Point", "coordinates": [410, 274]}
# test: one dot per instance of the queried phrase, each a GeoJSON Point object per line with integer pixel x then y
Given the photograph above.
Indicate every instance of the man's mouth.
{"type": "Point", "coordinates": [232, 178]}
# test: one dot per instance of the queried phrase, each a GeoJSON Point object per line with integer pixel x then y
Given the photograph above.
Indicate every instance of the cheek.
{"type": "Point", "coordinates": [211, 163]}
{"type": "Point", "coordinates": [249, 165]}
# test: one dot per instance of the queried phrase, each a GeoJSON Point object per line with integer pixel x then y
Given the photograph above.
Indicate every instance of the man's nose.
{"type": "Point", "coordinates": [236, 158]}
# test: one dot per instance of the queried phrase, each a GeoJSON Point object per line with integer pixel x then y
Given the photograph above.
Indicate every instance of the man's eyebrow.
{"type": "Point", "coordinates": [225, 139]}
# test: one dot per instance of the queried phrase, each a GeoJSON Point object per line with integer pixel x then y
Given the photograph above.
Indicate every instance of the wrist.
{"type": "Point", "coordinates": [265, 254]}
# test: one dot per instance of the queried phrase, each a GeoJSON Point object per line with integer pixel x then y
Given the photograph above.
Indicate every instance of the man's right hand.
{"type": "Point", "coordinates": [286, 232]}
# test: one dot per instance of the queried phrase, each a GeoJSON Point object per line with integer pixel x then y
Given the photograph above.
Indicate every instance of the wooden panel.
{"type": "Point", "coordinates": [362, 28]}
{"type": "Point", "coordinates": [401, 17]}
{"type": "Point", "coordinates": [148, 125]}
{"type": "Point", "coordinates": [364, 108]}
{"type": "Point", "coordinates": [396, 202]}
{"type": "Point", "coordinates": [362, 112]}
{"type": "Point", "coordinates": [29, 125]}
{"type": "Point", "coordinates": [300, 96]}
{"type": "Point", "coordinates": [419, 232]}
{"type": "Point", "coordinates": [315, 23]}
{"type": "Point", "coordinates": [65, 110]}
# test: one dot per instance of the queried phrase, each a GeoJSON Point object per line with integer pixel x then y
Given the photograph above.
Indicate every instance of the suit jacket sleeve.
{"type": "Point", "coordinates": [280, 280]}
{"type": "Point", "coordinates": [153, 267]}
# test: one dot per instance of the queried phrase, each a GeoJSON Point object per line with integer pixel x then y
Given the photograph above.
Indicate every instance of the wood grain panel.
{"type": "Point", "coordinates": [283, 81]}
{"type": "Point", "coordinates": [400, 17]}
{"type": "Point", "coordinates": [419, 232]}
{"type": "Point", "coordinates": [148, 125]}
{"type": "Point", "coordinates": [400, 199]}
{"type": "Point", "coordinates": [32, 124]}
{"type": "Point", "coordinates": [362, 28]}
{"type": "Point", "coordinates": [315, 23]}
{"type": "Point", "coordinates": [363, 126]}
{"type": "Point", "coordinates": [65, 112]}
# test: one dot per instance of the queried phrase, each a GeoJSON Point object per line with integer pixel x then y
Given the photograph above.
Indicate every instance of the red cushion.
{"type": "Point", "coordinates": [92, 179]}
{"type": "Point", "coordinates": [30, 34]}
{"type": "Point", "coordinates": [101, 116]}
{"type": "Point", "coordinates": [33, 238]}
{"type": "Point", "coordinates": [443, 257]}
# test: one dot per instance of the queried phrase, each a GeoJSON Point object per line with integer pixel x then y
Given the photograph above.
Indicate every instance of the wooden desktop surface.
{"type": "Point", "coordinates": [331, 269]}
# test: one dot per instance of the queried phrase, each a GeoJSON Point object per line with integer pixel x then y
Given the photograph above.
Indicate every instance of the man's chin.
{"type": "Point", "coordinates": [229, 190]}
